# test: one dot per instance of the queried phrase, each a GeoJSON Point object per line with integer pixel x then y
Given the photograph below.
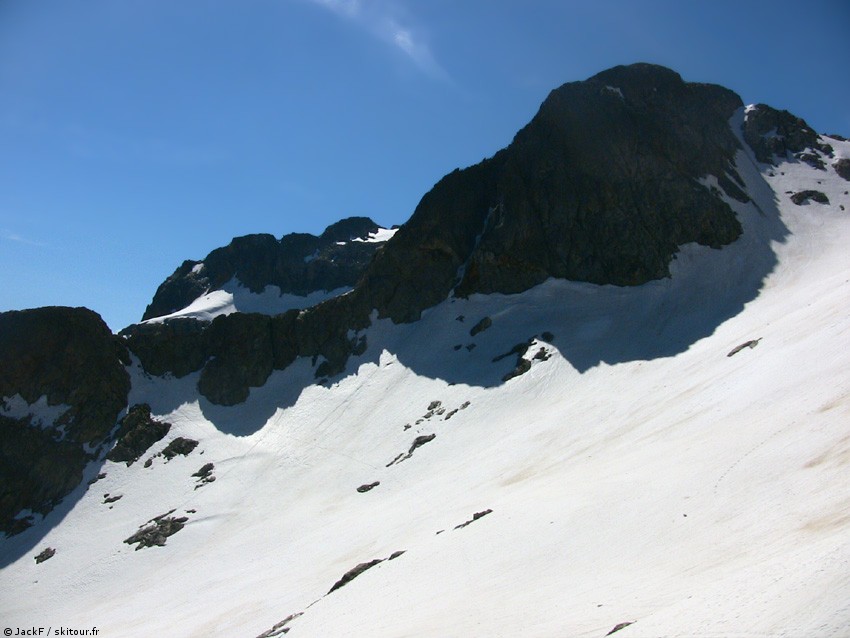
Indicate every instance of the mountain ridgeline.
{"type": "Point", "coordinates": [602, 186]}
{"type": "Point", "coordinates": [609, 179]}
{"type": "Point", "coordinates": [298, 264]}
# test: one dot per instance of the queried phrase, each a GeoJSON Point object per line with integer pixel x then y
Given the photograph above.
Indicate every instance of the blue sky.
{"type": "Point", "coordinates": [135, 134]}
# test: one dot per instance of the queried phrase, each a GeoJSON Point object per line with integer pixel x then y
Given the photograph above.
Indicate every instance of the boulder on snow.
{"type": "Point", "coordinates": [181, 446]}
{"type": "Point", "coordinates": [804, 196]}
{"type": "Point", "coordinates": [157, 531]}
{"type": "Point", "coordinates": [842, 167]}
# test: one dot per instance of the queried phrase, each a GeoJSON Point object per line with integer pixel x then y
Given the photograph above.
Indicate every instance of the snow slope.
{"type": "Point", "coordinates": [639, 474]}
{"type": "Point", "coordinates": [235, 297]}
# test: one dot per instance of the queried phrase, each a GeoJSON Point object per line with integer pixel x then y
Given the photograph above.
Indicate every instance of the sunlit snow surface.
{"type": "Point", "coordinates": [381, 235]}
{"type": "Point", "coordinates": [234, 297]}
{"type": "Point", "coordinates": [693, 493]}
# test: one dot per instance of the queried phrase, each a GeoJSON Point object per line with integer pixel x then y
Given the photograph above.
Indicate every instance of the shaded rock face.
{"type": "Point", "coordinates": [298, 263]}
{"type": "Point", "coordinates": [601, 186]}
{"type": "Point", "coordinates": [176, 346]}
{"type": "Point", "coordinates": [69, 356]}
{"type": "Point", "coordinates": [772, 133]}
{"type": "Point", "coordinates": [239, 351]}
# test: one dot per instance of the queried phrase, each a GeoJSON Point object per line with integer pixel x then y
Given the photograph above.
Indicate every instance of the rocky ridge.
{"type": "Point", "coordinates": [603, 186]}
{"type": "Point", "coordinates": [298, 264]}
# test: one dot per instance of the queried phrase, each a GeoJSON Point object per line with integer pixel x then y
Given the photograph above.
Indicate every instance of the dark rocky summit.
{"type": "Point", "coordinates": [779, 134]}
{"type": "Point", "coordinates": [298, 263]}
{"type": "Point", "coordinates": [69, 356]}
{"type": "Point", "coordinates": [602, 186]}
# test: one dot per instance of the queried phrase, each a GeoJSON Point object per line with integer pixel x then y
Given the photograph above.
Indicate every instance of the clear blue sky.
{"type": "Point", "coordinates": [135, 134]}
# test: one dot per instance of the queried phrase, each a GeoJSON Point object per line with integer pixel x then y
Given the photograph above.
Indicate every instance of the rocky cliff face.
{"type": "Point", "coordinates": [298, 263]}
{"type": "Point", "coordinates": [603, 186]}
{"type": "Point", "coordinates": [772, 133]}
{"type": "Point", "coordinates": [63, 384]}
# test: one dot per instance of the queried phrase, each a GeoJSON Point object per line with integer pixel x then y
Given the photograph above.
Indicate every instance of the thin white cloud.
{"type": "Point", "coordinates": [9, 235]}
{"type": "Point", "coordinates": [382, 21]}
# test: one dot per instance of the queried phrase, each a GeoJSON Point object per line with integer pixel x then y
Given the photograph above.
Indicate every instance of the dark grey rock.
{"type": "Point", "coordinates": [45, 554]}
{"type": "Point", "coordinates": [619, 626]}
{"type": "Point", "coordinates": [205, 471]}
{"type": "Point", "coordinates": [804, 196]}
{"type": "Point", "coordinates": [481, 326]}
{"type": "Point", "coordinates": [280, 628]}
{"type": "Point", "coordinates": [353, 573]}
{"type": "Point", "coordinates": [812, 160]}
{"type": "Point", "coordinates": [368, 486]}
{"type": "Point", "coordinates": [71, 357]}
{"type": "Point", "coordinates": [421, 440]}
{"type": "Point", "coordinates": [138, 431]}
{"type": "Point", "coordinates": [747, 344]}
{"type": "Point", "coordinates": [542, 355]}
{"type": "Point", "coordinates": [842, 167]}
{"type": "Point", "coordinates": [176, 346]}
{"type": "Point", "coordinates": [181, 446]}
{"type": "Point", "coordinates": [474, 518]}
{"type": "Point", "coordinates": [298, 264]}
{"type": "Point", "coordinates": [522, 366]}
{"type": "Point", "coordinates": [772, 133]}
{"type": "Point", "coordinates": [97, 478]}
{"type": "Point", "coordinates": [157, 531]}
{"type": "Point", "coordinates": [519, 350]}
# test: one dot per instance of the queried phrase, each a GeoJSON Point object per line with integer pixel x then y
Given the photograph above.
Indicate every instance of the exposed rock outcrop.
{"type": "Point", "coordinates": [298, 263]}
{"type": "Point", "coordinates": [45, 554]}
{"type": "Point", "coordinates": [137, 433]}
{"type": "Point", "coordinates": [804, 197]}
{"type": "Point", "coordinates": [772, 134]}
{"type": "Point", "coordinates": [601, 186]}
{"type": "Point", "coordinates": [595, 188]}
{"type": "Point", "coordinates": [842, 167]}
{"type": "Point", "coordinates": [157, 530]}
{"type": "Point", "coordinates": [70, 357]}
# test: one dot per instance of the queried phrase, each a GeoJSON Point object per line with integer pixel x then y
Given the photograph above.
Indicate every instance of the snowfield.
{"type": "Point", "coordinates": [235, 297]}
{"type": "Point", "coordinates": [635, 472]}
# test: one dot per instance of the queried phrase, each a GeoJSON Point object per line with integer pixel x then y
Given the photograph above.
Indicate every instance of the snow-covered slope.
{"type": "Point", "coordinates": [234, 297]}
{"type": "Point", "coordinates": [636, 472]}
